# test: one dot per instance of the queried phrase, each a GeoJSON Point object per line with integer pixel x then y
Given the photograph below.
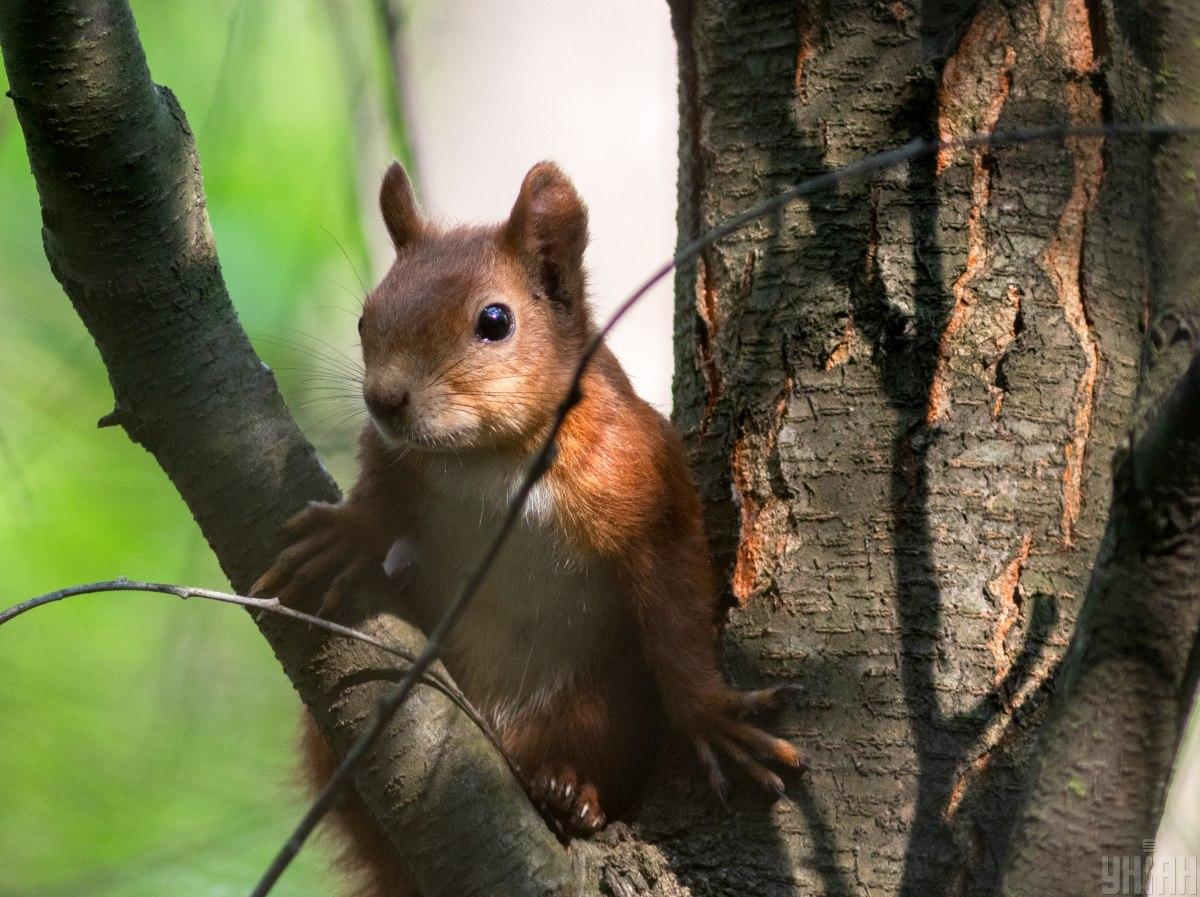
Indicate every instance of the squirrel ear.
{"type": "Point", "coordinates": [399, 206]}
{"type": "Point", "coordinates": [548, 227]}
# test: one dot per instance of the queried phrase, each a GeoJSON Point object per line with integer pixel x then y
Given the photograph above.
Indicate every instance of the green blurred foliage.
{"type": "Point", "coordinates": [146, 742]}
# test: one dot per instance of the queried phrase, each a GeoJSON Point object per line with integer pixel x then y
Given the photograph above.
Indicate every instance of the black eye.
{"type": "Point", "coordinates": [360, 326]}
{"type": "Point", "coordinates": [495, 323]}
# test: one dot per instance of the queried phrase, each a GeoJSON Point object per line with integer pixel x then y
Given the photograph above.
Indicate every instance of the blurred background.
{"type": "Point", "coordinates": [146, 743]}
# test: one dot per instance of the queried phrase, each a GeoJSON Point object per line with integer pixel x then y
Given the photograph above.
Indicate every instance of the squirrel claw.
{"type": "Point", "coordinates": [766, 700]}
{"type": "Point", "coordinates": [712, 769]}
{"type": "Point", "coordinates": [341, 588]}
{"type": "Point", "coordinates": [746, 745]}
{"type": "Point", "coordinates": [315, 516]}
{"type": "Point", "coordinates": [573, 806]}
{"type": "Point", "coordinates": [324, 561]}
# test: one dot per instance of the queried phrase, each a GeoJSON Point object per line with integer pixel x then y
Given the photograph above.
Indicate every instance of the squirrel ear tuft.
{"type": "Point", "coordinates": [548, 227]}
{"type": "Point", "coordinates": [399, 206]}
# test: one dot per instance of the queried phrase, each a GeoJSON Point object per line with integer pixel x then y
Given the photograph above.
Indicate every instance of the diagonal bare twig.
{"type": "Point", "coordinates": [389, 704]}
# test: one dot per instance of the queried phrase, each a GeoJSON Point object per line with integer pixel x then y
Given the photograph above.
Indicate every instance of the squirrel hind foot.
{"type": "Point", "coordinates": [573, 805]}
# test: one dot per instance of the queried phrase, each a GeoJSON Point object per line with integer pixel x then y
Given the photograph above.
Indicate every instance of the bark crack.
{"type": "Point", "coordinates": [1013, 326]}
{"type": "Point", "coordinates": [844, 348]}
{"type": "Point", "coordinates": [806, 31]}
{"type": "Point", "coordinates": [963, 781]}
{"type": "Point", "coordinates": [762, 513]}
{"type": "Point", "coordinates": [706, 337]}
{"type": "Point", "coordinates": [975, 85]}
{"type": "Point", "coordinates": [1063, 260]}
{"type": "Point", "coordinates": [1005, 590]}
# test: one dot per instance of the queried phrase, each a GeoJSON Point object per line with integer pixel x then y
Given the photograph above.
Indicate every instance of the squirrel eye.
{"type": "Point", "coordinates": [360, 325]}
{"type": "Point", "coordinates": [495, 323]}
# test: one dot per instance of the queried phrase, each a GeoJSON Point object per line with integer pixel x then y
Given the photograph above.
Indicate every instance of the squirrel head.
{"type": "Point", "coordinates": [470, 339]}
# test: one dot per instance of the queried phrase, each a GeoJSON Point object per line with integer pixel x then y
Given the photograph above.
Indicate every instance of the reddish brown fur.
{"type": "Point", "coordinates": [618, 498]}
{"type": "Point", "coordinates": [366, 855]}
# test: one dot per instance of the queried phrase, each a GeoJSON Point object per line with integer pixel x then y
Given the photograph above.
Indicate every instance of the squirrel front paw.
{"type": "Point", "coordinates": [721, 728]}
{"type": "Point", "coordinates": [572, 805]}
{"type": "Point", "coordinates": [328, 555]}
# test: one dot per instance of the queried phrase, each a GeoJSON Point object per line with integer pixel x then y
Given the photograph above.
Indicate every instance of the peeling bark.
{"type": "Point", "coordinates": [974, 87]}
{"type": "Point", "coordinates": [706, 333]}
{"type": "Point", "coordinates": [1005, 591]}
{"type": "Point", "coordinates": [762, 502]}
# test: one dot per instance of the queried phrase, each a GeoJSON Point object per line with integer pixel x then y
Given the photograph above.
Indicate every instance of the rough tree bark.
{"type": "Point", "coordinates": [1127, 682]}
{"type": "Point", "coordinates": [902, 400]}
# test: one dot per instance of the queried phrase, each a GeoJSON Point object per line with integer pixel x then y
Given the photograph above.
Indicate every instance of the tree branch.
{"type": "Point", "coordinates": [127, 235]}
{"type": "Point", "coordinates": [1127, 679]}
{"type": "Point", "coordinates": [1129, 676]}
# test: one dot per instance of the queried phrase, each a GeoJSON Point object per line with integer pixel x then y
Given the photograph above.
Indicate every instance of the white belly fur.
{"type": "Point", "coordinates": [544, 612]}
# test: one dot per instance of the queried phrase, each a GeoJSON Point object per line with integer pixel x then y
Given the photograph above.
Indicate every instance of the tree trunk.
{"type": "Point", "coordinates": [903, 400]}
{"type": "Point", "coordinates": [1126, 686]}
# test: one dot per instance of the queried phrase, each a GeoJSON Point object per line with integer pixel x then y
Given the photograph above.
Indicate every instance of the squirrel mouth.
{"type": "Point", "coordinates": [393, 432]}
{"type": "Point", "coordinates": [408, 434]}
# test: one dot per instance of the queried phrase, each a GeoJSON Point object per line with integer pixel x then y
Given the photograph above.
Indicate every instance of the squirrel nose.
{"type": "Point", "coordinates": [386, 403]}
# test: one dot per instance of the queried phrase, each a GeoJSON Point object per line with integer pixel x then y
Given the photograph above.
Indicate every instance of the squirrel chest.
{"type": "Point", "coordinates": [546, 617]}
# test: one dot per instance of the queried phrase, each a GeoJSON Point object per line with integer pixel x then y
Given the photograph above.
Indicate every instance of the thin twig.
{"type": "Point", "coordinates": [388, 704]}
{"type": "Point", "coordinates": [272, 606]}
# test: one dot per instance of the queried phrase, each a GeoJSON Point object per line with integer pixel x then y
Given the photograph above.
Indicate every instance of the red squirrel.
{"type": "Point", "coordinates": [594, 636]}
